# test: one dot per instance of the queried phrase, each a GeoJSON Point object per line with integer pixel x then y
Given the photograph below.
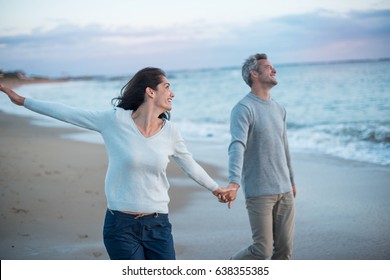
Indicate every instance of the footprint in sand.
{"type": "Point", "coordinates": [19, 210]}
{"type": "Point", "coordinates": [97, 254]}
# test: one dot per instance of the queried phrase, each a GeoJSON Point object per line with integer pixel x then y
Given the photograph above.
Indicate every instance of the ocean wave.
{"type": "Point", "coordinates": [365, 142]}
{"type": "Point", "coordinates": [369, 142]}
{"type": "Point", "coordinates": [204, 131]}
{"type": "Point", "coordinates": [374, 132]}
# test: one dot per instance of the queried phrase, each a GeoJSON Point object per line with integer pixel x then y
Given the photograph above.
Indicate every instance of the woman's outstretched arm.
{"type": "Point", "coordinates": [90, 119]}
{"type": "Point", "coordinates": [13, 96]}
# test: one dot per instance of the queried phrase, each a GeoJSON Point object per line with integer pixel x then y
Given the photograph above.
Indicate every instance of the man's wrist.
{"type": "Point", "coordinates": [234, 186]}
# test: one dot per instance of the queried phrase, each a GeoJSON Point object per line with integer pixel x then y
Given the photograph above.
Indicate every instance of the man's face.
{"type": "Point", "coordinates": [266, 73]}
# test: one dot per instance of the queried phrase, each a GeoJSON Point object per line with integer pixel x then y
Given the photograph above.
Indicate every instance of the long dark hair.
{"type": "Point", "coordinates": [133, 93]}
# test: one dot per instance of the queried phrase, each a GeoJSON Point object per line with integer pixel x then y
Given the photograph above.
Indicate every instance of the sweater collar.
{"type": "Point", "coordinates": [259, 99]}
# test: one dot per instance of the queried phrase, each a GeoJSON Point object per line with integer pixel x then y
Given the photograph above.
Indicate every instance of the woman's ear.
{"type": "Point", "coordinates": [150, 92]}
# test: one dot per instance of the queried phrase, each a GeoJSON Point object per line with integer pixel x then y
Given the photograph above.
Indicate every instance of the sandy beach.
{"type": "Point", "coordinates": [52, 202]}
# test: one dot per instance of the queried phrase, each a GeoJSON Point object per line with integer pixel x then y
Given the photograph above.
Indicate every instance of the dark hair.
{"type": "Point", "coordinates": [133, 93]}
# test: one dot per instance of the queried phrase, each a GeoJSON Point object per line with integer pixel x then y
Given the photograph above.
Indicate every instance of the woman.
{"type": "Point", "coordinates": [139, 141]}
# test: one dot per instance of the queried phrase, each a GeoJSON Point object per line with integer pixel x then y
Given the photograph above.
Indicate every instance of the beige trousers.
{"type": "Point", "coordinates": [272, 222]}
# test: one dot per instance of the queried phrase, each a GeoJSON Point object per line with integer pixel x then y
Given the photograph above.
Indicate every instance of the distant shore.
{"type": "Point", "coordinates": [52, 201]}
{"type": "Point", "coordinates": [13, 82]}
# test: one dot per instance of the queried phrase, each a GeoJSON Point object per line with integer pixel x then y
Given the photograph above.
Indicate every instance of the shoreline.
{"type": "Point", "coordinates": [17, 82]}
{"type": "Point", "coordinates": [52, 202]}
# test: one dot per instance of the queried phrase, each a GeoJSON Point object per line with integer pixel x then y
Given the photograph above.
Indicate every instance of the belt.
{"type": "Point", "coordinates": [135, 214]}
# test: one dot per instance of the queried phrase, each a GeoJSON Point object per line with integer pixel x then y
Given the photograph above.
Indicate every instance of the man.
{"type": "Point", "coordinates": [259, 160]}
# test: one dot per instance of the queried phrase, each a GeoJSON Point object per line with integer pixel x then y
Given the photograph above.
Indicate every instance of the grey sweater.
{"type": "Point", "coordinates": [259, 157]}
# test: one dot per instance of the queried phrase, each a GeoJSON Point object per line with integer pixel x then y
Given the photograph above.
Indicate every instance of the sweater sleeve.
{"type": "Point", "coordinates": [190, 167]}
{"type": "Point", "coordinates": [83, 118]}
{"type": "Point", "coordinates": [287, 151]}
{"type": "Point", "coordinates": [239, 129]}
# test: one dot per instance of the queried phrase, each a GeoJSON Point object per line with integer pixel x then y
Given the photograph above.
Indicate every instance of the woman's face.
{"type": "Point", "coordinates": [164, 95]}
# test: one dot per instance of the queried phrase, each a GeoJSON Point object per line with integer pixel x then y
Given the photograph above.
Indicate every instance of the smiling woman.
{"type": "Point", "coordinates": [150, 84]}
{"type": "Point", "coordinates": [139, 143]}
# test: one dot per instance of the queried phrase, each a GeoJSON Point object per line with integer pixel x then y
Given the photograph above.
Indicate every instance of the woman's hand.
{"type": "Point", "coordinates": [228, 194]}
{"type": "Point", "coordinates": [13, 96]}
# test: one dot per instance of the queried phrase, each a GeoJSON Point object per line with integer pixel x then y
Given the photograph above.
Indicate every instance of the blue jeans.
{"type": "Point", "coordinates": [128, 237]}
{"type": "Point", "coordinates": [272, 222]}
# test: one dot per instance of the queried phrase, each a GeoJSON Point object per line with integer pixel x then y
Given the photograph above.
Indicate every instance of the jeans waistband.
{"type": "Point", "coordinates": [139, 216]}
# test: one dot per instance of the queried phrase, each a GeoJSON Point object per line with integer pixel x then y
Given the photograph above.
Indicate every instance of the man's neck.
{"type": "Point", "coordinates": [262, 92]}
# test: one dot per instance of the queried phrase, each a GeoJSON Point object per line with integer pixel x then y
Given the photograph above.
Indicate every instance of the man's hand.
{"type": "Point", "coordinates": [228, 194]}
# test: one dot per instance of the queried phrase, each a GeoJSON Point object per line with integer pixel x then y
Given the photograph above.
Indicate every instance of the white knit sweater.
{"type": "Point", "coordinates": [136, 178]}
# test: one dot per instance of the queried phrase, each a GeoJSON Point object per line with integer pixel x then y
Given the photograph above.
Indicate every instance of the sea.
{"type": "Point", "coordinates": [341, 109]}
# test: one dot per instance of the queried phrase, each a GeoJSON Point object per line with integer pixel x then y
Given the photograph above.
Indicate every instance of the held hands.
{"type": "Point", "coordinates": [13, 96]}
{"type": "Point", "coordinates": [228, 194]}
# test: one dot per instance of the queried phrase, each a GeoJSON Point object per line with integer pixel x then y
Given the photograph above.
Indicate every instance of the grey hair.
{"type": "Point", "coordinates": [251, 64]}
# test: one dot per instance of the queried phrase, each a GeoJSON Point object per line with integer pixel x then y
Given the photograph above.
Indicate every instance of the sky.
{"type": "Point", "coordinates": [117, 37]}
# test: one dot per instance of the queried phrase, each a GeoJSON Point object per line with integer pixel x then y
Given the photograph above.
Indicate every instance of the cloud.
{"type": "Point", "coordinates": [357, 34]}
{"type": "Point", "coordinates": [94, 49]}
{"type": "Point", "coordinates": [93, 44]}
